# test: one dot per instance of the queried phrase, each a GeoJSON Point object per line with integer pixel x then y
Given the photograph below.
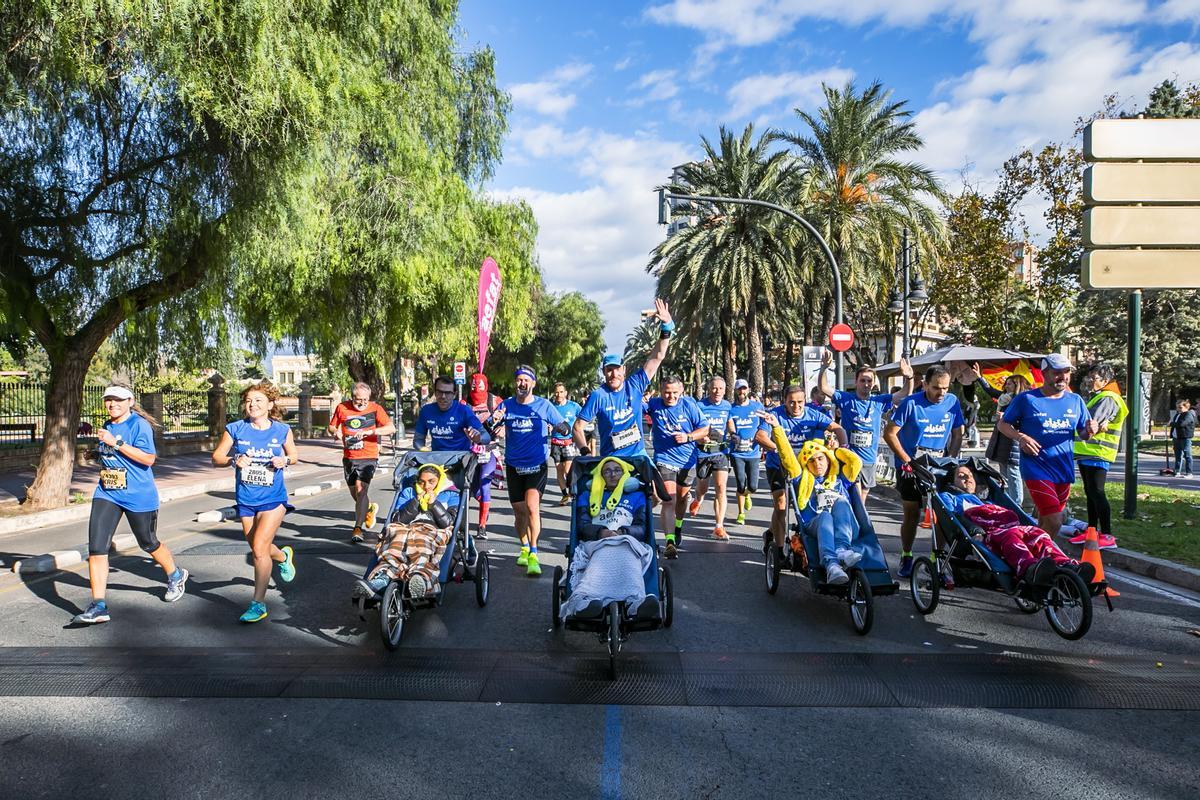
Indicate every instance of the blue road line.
{"type": "Point", "coordinates": [610, 768]}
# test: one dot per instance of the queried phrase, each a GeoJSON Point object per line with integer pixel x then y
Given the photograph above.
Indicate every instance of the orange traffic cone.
{"type": "Point", "coordinates": [927, 518]}
{"type": "Point", "coordinates": [1091, 555]}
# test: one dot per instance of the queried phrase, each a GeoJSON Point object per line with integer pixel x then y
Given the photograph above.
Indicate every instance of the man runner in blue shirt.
{"type": "Point", "coordinates": [562, 448]}
{"type": "Point", "coordinates": [617, 404]}
{"type": "Point", "coordinates": [714, 453]}
{"type": "Point", "coordinates": [744, 453]}
{"type": "Point", "coordinates": [676, 426]}
{"type": "Point", "coordinates": [449, 423]}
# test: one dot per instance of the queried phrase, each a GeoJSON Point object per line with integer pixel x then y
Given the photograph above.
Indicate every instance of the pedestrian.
{"type": "Point", "coordinates": [676, 425]}
{"type": "Point", "coordinates": [928, 422]}
{"type": "Point", "coordinates": [357, 424]}
{"type": "Point", "coordinates": [484, 404]}
{"type": "Point", "coordinates": [1045, 423]}
{"type": "Point", "coordinates": [528, 421]}
{"type": "Point", "coordinates": [1003, 452]}
{"type": "Point", "coordinates": [126, 489]}
{"type": "Point", "coordinates": [713, 457]}
{"type": "Point", "coordinates": [1182, 428]}
{"type": "Point", "coordinates": [744, 451]}
{"type": "Point", "coordinates": [1096, 455]}
{"type": "Point", "coordinates": [562, 448]}
{"type": "Point", "coordinates": [260, 446]}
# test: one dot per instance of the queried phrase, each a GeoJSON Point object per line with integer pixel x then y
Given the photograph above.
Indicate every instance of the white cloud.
{"type": "Point", "coordinates": [551, 96]}
{"type": "Point", "coordinates": [597, 239]}
{"type": "Point", "coordinates": [624, 63]}
{"type": "Point", "coordinates": [660, 84]}
{"type": "Point", "coordinates": [1181, 11]}
{"type": "Point", "coordinates": [796, 88]}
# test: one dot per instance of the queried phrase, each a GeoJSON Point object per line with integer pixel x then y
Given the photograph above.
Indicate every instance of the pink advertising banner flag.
{"type": "Point", "coordinates": [489, 300]}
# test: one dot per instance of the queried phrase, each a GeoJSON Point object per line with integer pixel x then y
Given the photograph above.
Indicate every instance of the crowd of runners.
{"type": "Point", "coordinates": [1042, 434]}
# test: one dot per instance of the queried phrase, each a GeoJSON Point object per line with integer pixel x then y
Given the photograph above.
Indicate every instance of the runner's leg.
{"type": "Point", "coordinates": [359, 491]}
{"type": "Point", "coordinates": [102, 524]}
{"type": "Point", "coordinates": [908, 526]}
{"type": "Point", "coordinates": [533, 510]}
{"type": "Point", "coordinates": [263, 527]}
{"type": "Point", "coordinates": [720, 502]}
{"type": "Point", "coordinates": [778, 516]}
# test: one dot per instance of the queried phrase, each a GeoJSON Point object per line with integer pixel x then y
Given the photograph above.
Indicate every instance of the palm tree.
{"type": "Point", "coordinates": [860, 194]}
{"type": "Point", "coordinates": [738, 260]}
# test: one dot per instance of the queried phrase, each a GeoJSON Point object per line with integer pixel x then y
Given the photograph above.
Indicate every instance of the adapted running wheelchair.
{"type": "Point", "coordinates": [460, 560]}
{"type": "Point", "coordinates": [957, 545]}
{"type": "Point", "coordinates": [616, 622]}
{"type": "Point", "coordinates": [869, 578]}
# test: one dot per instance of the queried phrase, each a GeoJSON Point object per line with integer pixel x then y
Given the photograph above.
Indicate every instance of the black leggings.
{"type": "Point", "coordinates": [1099, 511]}
{"type": "Point", "coordinates": [103, 524]}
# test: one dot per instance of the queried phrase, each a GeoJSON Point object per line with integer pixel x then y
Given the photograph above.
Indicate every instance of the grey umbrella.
{"type": "Point", "coordinates": [958, 352]}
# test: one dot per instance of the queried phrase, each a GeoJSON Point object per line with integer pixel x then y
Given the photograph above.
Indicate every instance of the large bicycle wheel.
{"type": "Point", "coordinates": [392, 614]}
{"type": "Point", "coordinates": [614, 637]}
{"type": "Point", "coordinates": [483, 572]}
{"type": "Point", "coordinates": [1069, 605]}
{"type": "Point", "coordinates": [925, 585]}
{"type": "Point", "coordinates": [772, 566]}
{"type": "Point", "coordinates": [556, 598]}
{"type": "Point", "coordinates": [862, 602]}
{"type": "Point", "coordinates": [666, 595]}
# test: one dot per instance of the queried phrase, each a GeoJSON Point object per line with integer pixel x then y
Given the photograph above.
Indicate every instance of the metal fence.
{"type": "Point", "coordinates": [184, 411]}
{"type": "Point", "coordinates": [23, 411]}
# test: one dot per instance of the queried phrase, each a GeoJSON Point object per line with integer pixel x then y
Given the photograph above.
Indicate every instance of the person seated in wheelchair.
{"type": "Point", "coordinates": [411, 546]}
{"type": "Point", "coordinates": [611, 556]}
{"type": "Point", "coordinates": [822, 494]}
{"type": "Point", "coordinates": [1027, 549]}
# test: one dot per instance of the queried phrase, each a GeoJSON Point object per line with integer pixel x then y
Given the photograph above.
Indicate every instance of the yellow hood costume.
{"type": "Point", "coordinates": [443, 483]}
{"type": "Point", "coordinates": [842, 461]}
{"type": "Point", "coordinates": [597, 492]}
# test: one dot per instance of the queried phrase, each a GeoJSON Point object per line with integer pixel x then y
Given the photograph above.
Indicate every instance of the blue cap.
{"type": "Point", "coordinates": [1056, 361]}
{"type": "Point", "coordinates": [611, 360]}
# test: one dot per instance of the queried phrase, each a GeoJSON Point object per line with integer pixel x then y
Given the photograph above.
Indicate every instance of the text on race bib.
{"type": "Point", "coordinates": [114, 478]}
{"type": "Point", "coordinates": [258, 475]}
{"type": "Point", "coordinates": [615, 518]}
{"type": "Point", "coordinates": [860, 438]}
{"type": "Point", "coordinates": [626, 438]}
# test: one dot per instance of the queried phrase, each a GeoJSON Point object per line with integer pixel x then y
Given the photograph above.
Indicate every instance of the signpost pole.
{"type": "Point", "coordinates": [1133, 422]}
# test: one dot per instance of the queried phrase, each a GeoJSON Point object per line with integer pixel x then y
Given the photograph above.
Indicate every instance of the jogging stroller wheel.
{"type": "Point", "coordinates": [925, 585]}
{"type": "Point", "coordinates": [862, 602]}
{"type": "Point", "coordinates": [666, 594]}
{"type": "Point", "coordinates": [1069, 605]}
{"type": "Point", "coordinates": [614, 637]}
{"type": "Point", "coordinates": [483, 572]}
{"type": "Point", "coordinates": [556, 598]}
{"type": "Point", "coordinates": [772, 568]}
{"type": "Point", "coordinates": [393, 609]}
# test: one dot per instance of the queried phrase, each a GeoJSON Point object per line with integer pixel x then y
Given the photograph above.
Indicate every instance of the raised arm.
{"type": "Point", "coordinates": [660, 347]}
{"type": "Point", "coordinates": [823, 374]}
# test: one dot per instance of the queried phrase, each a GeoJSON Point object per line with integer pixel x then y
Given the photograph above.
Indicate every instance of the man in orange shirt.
{"type": "Point", "coordinates": [358, 423]}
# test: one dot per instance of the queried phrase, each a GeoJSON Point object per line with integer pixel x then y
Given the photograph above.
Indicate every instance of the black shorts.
{"type": "Point", "coordinates": [777, 479]}
{"type": "Point", "coordinates": [906, 485]}
{"type": "Point", "coordinates": [359, 470]}
{"type": "Point", "coordinates": [707, 465]}
{"type": "Point", "coordinates": [560, 453]}
{"type": "Point", "coordinates": [679, 477]}
{"type": "Point", "coordinates": [519, 483]}
{"type": "Point", "coordinates": [103, 524]}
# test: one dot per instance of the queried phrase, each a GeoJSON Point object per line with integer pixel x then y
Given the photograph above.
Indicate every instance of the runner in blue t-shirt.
{"type": "Point", "coordinates": [744, 452]}
{"type": "Point", "coordinates": [930, 421]}
{"type": "Point", "coordinates": [260, 447]}
{"type": "Point", "coordinates": [449, 423]}
{"type": "Point", "coordinates": [714, 454]}
{"type": "Point", "coordinates": [800, 422]}
{"type": "Point", "coordinates": [1044, 422]}
{"type": "Point", "coordinates": [562, 448]}
{"type": "Point", "coordinates": [126, 489]}
{"type": "Point", "coordinates": [528, 421]}
{"type": "Point", "coordinates": [676, 424]}
{"type": "Point", "coordinates": [861, 413]}
{"type": "Point", "coordinates": [616, 404]}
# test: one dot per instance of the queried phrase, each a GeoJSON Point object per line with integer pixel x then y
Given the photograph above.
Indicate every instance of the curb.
{"type": "Point", "coordinates": [61, 559]}
{"type": "Point", "coordinates": [1147, 566]}
{"type": "Point", "coordinates": [230, 512]}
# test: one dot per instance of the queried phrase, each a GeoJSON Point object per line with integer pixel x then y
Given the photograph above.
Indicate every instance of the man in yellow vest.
{"type": "Point", "coordinates": [1096, 455]}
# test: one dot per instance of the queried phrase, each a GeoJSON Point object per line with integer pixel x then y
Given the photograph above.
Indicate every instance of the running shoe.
{"type": "Point", "coordinates": [741, 518]}
{"type": "Point", "coordinates": [835, 575]}
{"type": "Point", "coordinates": [948, 580]}
{"type": "Point", "coordinates": [481, 533]}
{"type": "Point", "coordinates": [255, 613]}
{"type": "Point", "coordinates": [356, 536]}
{"type": "Point", "coordinates": [287, 567]}
{"type": "Point", "coordinates": [94, 613]}
{"type": "Point", "coordinates": [175, 588]}
{"type": "Point", "coordinates": [372, 510]}
{"type": "Point", "coordinates": [532, 566]}
{"type": "Point", "coordinates": [523, 558]}
{"type": "Point", "coordinates": [565, 500]}
{"type": "Point", "coordinates": [848, 557]}
{"type": "Point", "coordinates": [671, 551]}
{"type": "Point", "coordinates": [694, 508]}
{"type": "Point", "coordinates": [906, 564]}
{"type": "Point", "coordinates": [418, 587]}
{"type": "Point", "coordinates": [749, 503]}
{"type": "Point", "coordinates": [1080, 539]}
{"type": "Point", "coordinates": [719, 533]}
{"type": "Point", "coordinates": [362, 589]}
{"type": "Point", "coordinates": [1107, 542]}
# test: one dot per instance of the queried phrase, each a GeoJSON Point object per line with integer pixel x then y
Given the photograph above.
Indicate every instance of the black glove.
{"type": "Point", "coordinates": [442, 517]}
{"type": "Point", "coordinates": [585, 450]}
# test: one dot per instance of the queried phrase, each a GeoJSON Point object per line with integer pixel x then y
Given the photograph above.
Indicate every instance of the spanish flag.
{"type": "Point", "coordinates": [996, 374]}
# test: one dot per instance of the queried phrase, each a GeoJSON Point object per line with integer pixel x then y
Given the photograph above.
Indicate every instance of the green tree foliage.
{"type": "Point", "coordinates": [567, 345]}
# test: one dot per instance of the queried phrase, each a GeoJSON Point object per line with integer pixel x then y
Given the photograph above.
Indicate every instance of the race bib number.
{"type": "Point", "coordinates": [860, 439]}
{"type": "Point", "coordinates": [626, 438]}
{"type": "Point", "coordinates": [569, 451]}
{"type": "Point", "coordinates": [355, 444]}
{"type": "Point", "coordinates": [258, 475]}
{"type": "Point", "coordinates": [113, 478]}
{"type": "Point", "coordinates": [930, 451]}
{"type": "Point", "coordinates": [528, 470]}
{"type": "Point", "coordinates": [825, 500]}
{"type": "Point", "coordinates": [615, 519]}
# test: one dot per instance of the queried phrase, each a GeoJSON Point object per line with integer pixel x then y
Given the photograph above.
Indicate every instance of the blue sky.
{"type": "Point", "coordinates": [608, 97]}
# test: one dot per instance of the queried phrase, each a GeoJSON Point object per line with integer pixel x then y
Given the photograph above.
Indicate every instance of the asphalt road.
{"type": "Point", "coordinates": [747, 694]}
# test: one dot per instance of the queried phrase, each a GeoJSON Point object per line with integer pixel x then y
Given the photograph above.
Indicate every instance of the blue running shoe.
{"type": "Point", "coordinates": [287, 567]}
{"type": "Point", "coordinates": [255, 613]}
{"type": "Point", "coordinates": [95, 612]}
{"type": "Point", "coordinates": [906, 563]}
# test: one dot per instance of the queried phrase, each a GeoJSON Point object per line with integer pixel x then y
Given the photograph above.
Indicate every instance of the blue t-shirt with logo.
{"type": "Point", "coordinates": [140, 493]}
{"type": "Point", "coordinates": [810, 424]}
{"type": "Point", "coordinates": [683, 417]}
{"type": "Point", "coordinates": [1052, 422]}
{"type": "Point", "coordinates": [618, 415]}
{"type": "Point", "coordinates": [446, 429]}
{"type": "Point", "coordinates": [959, 502]}
{"type": "Point", "coordinates": [863, 420]}
{"type": "Point", "coordinates": [717, 415]}
{"type": "Point", "coordinates": [925, 425]}
{"type": "Point", "coordinates": [746, 425]}
{"type": "Point", "coordinates": [259, 484]}
{"type": "Point", "coordinates": [629, 510]}
{"type": "Point", "coordinates": [568, 411]}
{"type": "Point", "coordinates": [527, 431]}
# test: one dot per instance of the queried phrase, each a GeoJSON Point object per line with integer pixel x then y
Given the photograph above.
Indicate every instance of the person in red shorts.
{"type": "Point", "coordinates": [358, 423]}
{"type": "Point", "coordinates": [1045, 422]}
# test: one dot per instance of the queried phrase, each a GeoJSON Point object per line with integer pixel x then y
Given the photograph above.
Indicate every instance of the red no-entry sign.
{"type": "Point", "coordinates": [841, 338]}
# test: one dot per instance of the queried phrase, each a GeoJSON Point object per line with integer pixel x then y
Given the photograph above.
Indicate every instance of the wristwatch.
{"type": "Point", "coordinates": [119, 443]}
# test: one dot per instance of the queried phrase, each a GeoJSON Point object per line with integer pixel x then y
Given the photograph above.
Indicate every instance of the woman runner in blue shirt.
{"type": "Point", "coordinates": [127, 489]}
{"type": "Point", "coordinates": [261, 447]}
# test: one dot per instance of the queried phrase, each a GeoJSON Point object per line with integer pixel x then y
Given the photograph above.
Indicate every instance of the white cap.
{"type": "Point", "coordinates": [741, 383]}
{"type": "Point", "coordinates": [119, 392]}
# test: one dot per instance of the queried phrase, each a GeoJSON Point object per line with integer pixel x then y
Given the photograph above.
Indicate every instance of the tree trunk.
{"type": "Point", "coordinates": [789, 354]}
{"type": "Point", "coordinates": [366, 370]}
{"type": "Point", "coordinates": [728, 353]}
{"type": "Point", "coordinates": [64, 395]}
{"type": "Point", "coordinates": [827, 312]}
{"type": "Point", "coordinates": [754, 347]}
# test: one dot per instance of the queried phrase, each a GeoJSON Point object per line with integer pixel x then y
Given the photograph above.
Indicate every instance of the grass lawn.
{"type": "Point", "coordinates": [1167, 524]}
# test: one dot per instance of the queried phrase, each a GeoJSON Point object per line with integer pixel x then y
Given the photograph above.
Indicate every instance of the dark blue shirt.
{"type": "Point", "coordinates": [683, 417]}
{"type": "Point", "coordinates": [618, 416]}
{"type": "Point", "coordinates": [261, 446]}
{"type": "Point", "coordinates": [717, 415]}
{"type": "Point", "coordinates": [1052, 422]}
{"type": "Point", "coordinates": [811, 424]}
{"type": "Point", "coordinates": [527, 431]}
{"type": "Point", "coordinates": [746, 425]}
{"type": "Point", "coordinates": [925, 425]}
{"type": "Point", "coordinates": [446, 429]}
{"type": "Point", "coordinates": [863, 421]}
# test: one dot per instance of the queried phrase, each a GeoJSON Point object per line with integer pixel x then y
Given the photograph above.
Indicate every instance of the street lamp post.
{"type": "Point", "coordinates": [909, 293]}
{"type": "Point", "coordinates": [664, 217]}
